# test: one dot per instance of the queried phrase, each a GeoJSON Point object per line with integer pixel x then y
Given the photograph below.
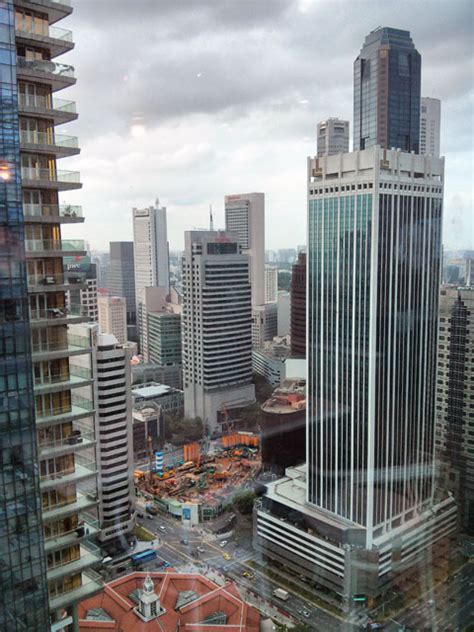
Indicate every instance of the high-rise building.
{"type": "Point", "coordinates": [150, 300]}
{"type": "Point", "coordinates": [115, 438]}
{"type": "Point", "coordinates": [271, 283]}
{"type": "Point", "coordinates": [283, 313]}
{"type": "Point", "coordinates": [245, 216]}
{"type": "Point", "coordinates": [387, 84]}
{"type": "Point", "coordinates": [455, 398]}
{"type": "Point", "coordinates": [23, 598]}
{"type": "Point", "coordinates": [264, 324]}
{"type": "Point", "coordinates": [64, 420]}
{"type": "Point", "coordinates": [164, 338]}
{"type": "Point", "coordinates": [333, 137]}
{"type": "Point", "coordinates": [151, 252]}
{"type": "Point", "coordinates": [121, 281]}
{"type": "Point", "coordinates": [216, 327]}
{"type": "Point", "coordinates": [298, 307]}
{"type": "Point", "coordinates": [113, 316]}
{"type": "Point", "coordinates": [368, 491]}
{"type": "Point", "coordinates": [430, 126]}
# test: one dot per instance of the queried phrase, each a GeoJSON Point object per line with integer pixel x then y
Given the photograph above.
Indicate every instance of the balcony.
{"type": "Point", "coordinates": [54, 247]}
{"type": "Point", "coordinates": [58, 110]}
{"type": "Point", "coordinates": [60, 315]}
{"type": "Point", "coordinates": [83, 502]}
{"type": "Point", "coordinates": [41, 284]}
{"type": "Point", "coordinates": [52, 213]}
{"type": "Point", "coordinates": [90, 555]}
{"type": "Point", "coordinates": [86, 528]}
{"type": "Point", "coordinates": [79, 408]}
{"type": "Point", "coordinates": [55, 9]}
{"type": "Point", "coordinates": [57, 40]}
{"type": "Point", "coordinates": [52, 350]}
{"type": "Point", "coordinates": [81, 437]}
{"type": "Point", "coordinates": [92, 583]}
{"type": "Point", "coordinates": [50, 179]}
{"type": "Point", "coordinates": [58, 76]}
{"type": "Point", "coordinates": [78, 377]}
{"type": "Point", "coordinates": [81, 471]}
{"type": "Point", "coordinates": [61, 145]}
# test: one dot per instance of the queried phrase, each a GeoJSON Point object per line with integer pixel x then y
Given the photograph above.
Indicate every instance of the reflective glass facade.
{"type": "Point", "coordinates": [387, 84]}
{"type": "Point", "coordinates": [374, 250]}
{"type": "Point", "coordinates": [23, 594]}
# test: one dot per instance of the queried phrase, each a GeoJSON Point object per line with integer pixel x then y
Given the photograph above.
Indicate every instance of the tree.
{"type": "Point", "coordinates": [284, 280]}
{"type": "Point", "coordinates": [243, 502]}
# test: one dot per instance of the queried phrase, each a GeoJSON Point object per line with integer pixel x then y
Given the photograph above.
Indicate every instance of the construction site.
{"type": "Point", "coordinates": [197, 487]}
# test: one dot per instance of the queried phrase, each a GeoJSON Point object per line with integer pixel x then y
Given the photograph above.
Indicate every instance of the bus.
{"type": "Point", "coordinates": [144, 556]}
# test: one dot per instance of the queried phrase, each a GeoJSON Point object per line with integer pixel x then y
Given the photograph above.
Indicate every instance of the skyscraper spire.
{"type": "Point", "coordinates": [211, 218]}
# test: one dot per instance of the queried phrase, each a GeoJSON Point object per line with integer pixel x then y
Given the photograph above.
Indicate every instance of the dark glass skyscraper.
{"type": "Point", "coordinates": [121, 281]}
{"type": "Point", "coordinates": [387, 86]}
{"type": "Point", "coordinates": [23, 594]}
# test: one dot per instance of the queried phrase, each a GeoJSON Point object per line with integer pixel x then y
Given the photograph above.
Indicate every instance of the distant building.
{"type": "Point", "coordinates": [167, 601]}
{"type": "Point", "coordinates": [271, 283]}
{"type": "Point", "coordinates": [151, 256]}
{"type": "Point", "coordinates": [121, 281]}
{"type": "Point", "coordinates": [264, 324]}
{"type": "Point", "coordinates": [387, 85]}
{"type": "Point", "coordinates": [113, 316]}
{"type": "Point", "coordinates": [171, 375]}
{"type": "Point", "coordinates": [283, 428]}
{"type": "Point", "coordinates": [245, 216]}
{"type": "Point", "coordinates": [164, 338]}
{"type": "Point", "coordinates": [216, 326]}
{"type": "Point", "coordinates": [298, 307]}
{"type": "Point", "coordinates": [455, 398]}
{"type": "Point", "coordinates": [284, 313]}
{"type": "Point", "coordinates": [149, 300]}
{"type": "Point", "coordinates": [333, 137]}
{"type": "Point", "coordinates": [170, 400]}
{"type": "Point", "coordinates": [430, 126]}
{"type": "Point", "coordinates": [286, 255]}
{"type": "Point", "coordinates": [269, 361]}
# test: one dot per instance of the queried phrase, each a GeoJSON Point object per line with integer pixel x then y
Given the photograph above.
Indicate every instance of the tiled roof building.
{"type": "Point", "coordinates": [167, 602]}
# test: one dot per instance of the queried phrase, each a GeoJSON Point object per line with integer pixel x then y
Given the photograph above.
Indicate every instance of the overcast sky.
{"type": "Point", "coordinates": [189, 100]}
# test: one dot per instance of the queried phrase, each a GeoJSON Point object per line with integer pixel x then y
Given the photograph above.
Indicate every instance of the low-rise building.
{"type": "Point", "coordinates": [157, 602]}
{"type": "Point", "coordinates": [171, 375]}
{"type": "Point", "coordinates": [170, 400]}
{"type": "Point", "coordinates": [269, 362]}
{"type": "Point", "coordinates": [148, 422]}
{"type": "Point", "coordinates": [264, 324]}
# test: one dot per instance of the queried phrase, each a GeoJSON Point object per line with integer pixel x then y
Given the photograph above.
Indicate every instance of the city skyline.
{"type": "Point", "coordinates": [234, 135]}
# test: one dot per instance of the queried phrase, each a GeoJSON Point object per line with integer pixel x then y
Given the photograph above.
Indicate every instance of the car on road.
{"type": "Point", "coordinates": [306, 613]}
{"type": "Point", "coordinates": [162, 528]}
{"type": "Point", "coordinates": [248, 575]}
{"type": "Point", "coordinates": [226, 556]}
{"type": "Point", "coordinates": [223, 543]}
{"type": "Point", "coordinates": [151, 510]}
{"type": "Point", "coordinates": [201, 549]}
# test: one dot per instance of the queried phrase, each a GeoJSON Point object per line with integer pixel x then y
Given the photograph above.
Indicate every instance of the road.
{"type": "Point", "coordinates": [172, 548]}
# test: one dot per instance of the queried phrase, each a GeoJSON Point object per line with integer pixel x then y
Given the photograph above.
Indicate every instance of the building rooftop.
{"type": "Point", "coordinates": [288, 398]}
{"type": "Point", "coordinates": [151, 389]}
{"type": "Point", "coordinates": [186, 602]}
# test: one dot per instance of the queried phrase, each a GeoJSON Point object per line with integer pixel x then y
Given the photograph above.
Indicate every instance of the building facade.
{"type": "Point", "coordinates": [264, 324]}
{"type": "Point", "coordinates": [387, 85]}
{"type": "Point", "coordinates": [64, 419]}
{"type": "Point", "coordinates": [115, 439]}
{"type": "Point", "coordinates": [151, 252]}
{"type": "Point", "coordinates": [298, 307]}
{"type": "Point", "coordinates": [333, 137]}
{"type": "Point", "coordinates": [216, 326]}
{"type": "Point", "coordinates": [151, 394]}
{"type": "Point", "coordinates": [271, 283]}
{"type": "Point", "coordinates": [455, 398]}
{"type": "Point", "coordinates": [113, 316]}
{"type": "Point", "coordinates": [245, 216]}
{"type": "Point", "coordinates": [430, 126]}
{"type": "Point", "coordinates": [164, 338]}
{"type": "Point", "coordinates": [121, 281]}
{"type": "Point", "coordinates": [24, 594]}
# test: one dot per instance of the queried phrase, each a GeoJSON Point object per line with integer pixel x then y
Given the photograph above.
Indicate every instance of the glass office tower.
{"type": "Point", "coordinates": [387, 85]}
{"type": "Point", "coordinates": [23, 595]}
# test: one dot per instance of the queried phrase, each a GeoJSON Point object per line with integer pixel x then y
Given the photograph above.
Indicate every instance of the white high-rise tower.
{"type": "Point", "coordinates": [430, 126]}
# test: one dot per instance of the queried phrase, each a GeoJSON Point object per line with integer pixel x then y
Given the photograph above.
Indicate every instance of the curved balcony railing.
{"type": "Point", "coordinates": [46, 31]}
{"type": "Point", "coordinates": [57, 312]}
{"type": "Point", "coordinates": [61, 245]}
{"type": "Point", "coordinates": [34, 137]}
{"type": "Point", "coordinates": [46, 66]}
{"type": "Point", "coordinates": [46, 103]}
{"type": "Point", "coordinates": [33, 173]}
{"type": "Point", "coordinates": [71, 343]}
{"type": "Point", "coordinates": [51, 210]}
{"type": "Point", "coordinates": [80, 468]}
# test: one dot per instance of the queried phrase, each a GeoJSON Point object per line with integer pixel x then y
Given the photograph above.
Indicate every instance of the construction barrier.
{"type": "Point", "coordinates": [191, 452]}
{"type": "Point", "coordinates": [240, 438]}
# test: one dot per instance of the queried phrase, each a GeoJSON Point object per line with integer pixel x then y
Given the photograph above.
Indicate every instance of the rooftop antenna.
{"type": "Point", "coordinates": [211, 219]}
